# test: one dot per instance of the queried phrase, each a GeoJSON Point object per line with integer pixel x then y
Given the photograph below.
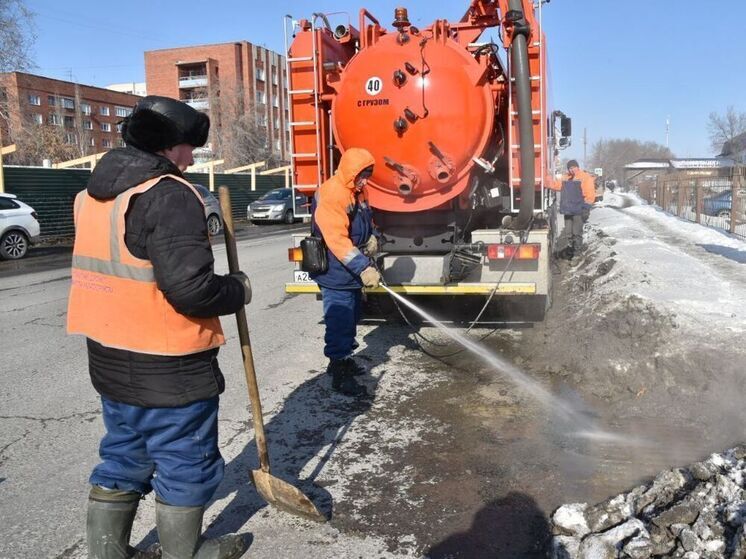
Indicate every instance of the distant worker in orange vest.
{"type": "Point", "coordinates": [577, 194]}
{"type": "Point", "coordinates": [145, 295]}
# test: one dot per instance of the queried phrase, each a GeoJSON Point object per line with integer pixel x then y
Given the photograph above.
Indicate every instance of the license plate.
{"type": "Point", "coordinates": [259, 215]}
{"type": "Point", "coordinates": [300, 276]}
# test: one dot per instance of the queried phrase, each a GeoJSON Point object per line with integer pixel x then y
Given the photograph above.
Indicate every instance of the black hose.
{"type": "Point", "coordinates": [522, 74]}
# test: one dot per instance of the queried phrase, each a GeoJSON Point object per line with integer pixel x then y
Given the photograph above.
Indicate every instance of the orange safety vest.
{"type": "Point", "coordinates": [114, 298]}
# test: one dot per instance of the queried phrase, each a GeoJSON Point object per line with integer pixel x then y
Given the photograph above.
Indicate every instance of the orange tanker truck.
{"type": "Point", "coordinates": [464, 140]}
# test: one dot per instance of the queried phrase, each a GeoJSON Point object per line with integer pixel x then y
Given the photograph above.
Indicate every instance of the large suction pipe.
{"type": "Point", "coordinates": [522, 75]}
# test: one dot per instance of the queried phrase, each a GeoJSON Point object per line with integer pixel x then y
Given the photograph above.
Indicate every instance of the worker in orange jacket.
{"type": "Point", "coordinates": [577, 194]}
{"type": "Point", "coordinates": [342, 216]}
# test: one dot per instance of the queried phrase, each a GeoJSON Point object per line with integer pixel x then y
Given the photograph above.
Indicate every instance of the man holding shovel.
{"type": "Point", "coordinates": [146, 297]}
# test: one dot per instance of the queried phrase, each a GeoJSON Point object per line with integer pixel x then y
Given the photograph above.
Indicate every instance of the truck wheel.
{"type": "Point", "coordinates": [13, 245]}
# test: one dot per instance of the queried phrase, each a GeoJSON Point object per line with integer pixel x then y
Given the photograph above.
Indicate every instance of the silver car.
{"type": "Point", "coordinates": [213, 214]}
{"type": "Point", "coordinates": [275, 205]}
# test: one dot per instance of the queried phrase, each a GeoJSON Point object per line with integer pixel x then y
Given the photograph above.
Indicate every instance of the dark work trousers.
{"type": "Point", "coordinates": [573, 232]}
{"type": "Point", "coordinates": [171, 450]}
{"type": "Point", "coordinates": [342, 308]}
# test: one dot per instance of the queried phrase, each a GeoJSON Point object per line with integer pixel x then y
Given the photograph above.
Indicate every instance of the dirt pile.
{"type": "Point", "coordinates": [696, 512]}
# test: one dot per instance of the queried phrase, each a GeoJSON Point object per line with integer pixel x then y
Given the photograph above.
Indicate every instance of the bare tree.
{"type": "Point", "coordinates": [37, 142]}
{"type": "Point", "coordinates": [613, 155]}
{"type": "Point", "coordinates": [17, 34]}
{"type": "Point", "coordinates": [239, 131]}
{"type": "Point", "coordinates": [724, 128]}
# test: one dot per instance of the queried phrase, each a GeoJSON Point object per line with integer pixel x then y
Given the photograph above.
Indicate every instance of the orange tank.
{"type": "Point", "coordinates": [422, 106]}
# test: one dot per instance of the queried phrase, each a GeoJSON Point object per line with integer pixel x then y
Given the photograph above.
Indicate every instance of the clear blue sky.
{"type": "Point", "coordinates": [619, 68]}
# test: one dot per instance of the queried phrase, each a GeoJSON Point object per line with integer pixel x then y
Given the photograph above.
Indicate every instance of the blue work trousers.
{"type": "Point", "coordinates": [342, 308]}
{"type": "Point", "coordinates": [173, 451]}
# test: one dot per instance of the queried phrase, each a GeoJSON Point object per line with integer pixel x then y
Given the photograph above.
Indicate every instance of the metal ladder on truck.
{"type": "Point", "coordinates": [289, 26]}
{"type": "Point", "coordinates": [536, 57]}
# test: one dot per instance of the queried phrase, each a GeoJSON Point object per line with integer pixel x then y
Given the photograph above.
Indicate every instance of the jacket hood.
{"type": "Point", "coordinates": [123, 168]}
{"type": "Point", "coordinates": [352, 162]}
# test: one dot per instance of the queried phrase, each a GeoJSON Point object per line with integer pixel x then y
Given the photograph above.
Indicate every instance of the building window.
{"type": "Point", "coordinates": [104, 111]}
{"type": "Point", "coordinates": [88, 125]}
{"type": "Point", "coordinates": [119, 127]}
{"type": "Point", "coordinates": [86, 108]}
{"type": "Point", "coordinates": [92, 142]}
{"type": "Point", "coordinates": [120, 142]}
{"type": "Point", "coordinates": [68, 103]}
{"type": "Point", "coordinates": [261, 98]}
{"type": "Point", "coordinates": [54, 119]}
{"type": "Point", "coordinates": [106, 142]}
{"type": "Point", "coordinates": [261, 120]}
{"type": "Point", "coordinates": [51, 100]}
{"type": "Point", "coordinates": [34, 100]}
{"type": "Point", "coordinates": [37, 118]}
{"type": "Point", "coordinates": [260, 74]}
{"type": "Point", "coordinates": [274, 75]}
{"type": "Point", "coordinates": [122, 111]}
{"type": "Point", "coordinates": [71, 139]}
{"type": "Point", "coordinates": [275, 101]}
{"type": "Point", "coordinates": [105, 127]}
{"type": "Point", "coordinates": [277, 144]}
{"type": "Point", "coordinates": [69, 122]}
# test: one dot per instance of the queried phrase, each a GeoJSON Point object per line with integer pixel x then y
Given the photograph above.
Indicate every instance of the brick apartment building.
{"type": "Point", "coordinates": [200, 75]}
{"type": "Point", "coordinates": [87, 115]}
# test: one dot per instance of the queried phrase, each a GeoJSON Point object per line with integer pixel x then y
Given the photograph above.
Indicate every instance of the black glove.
{"type": "Point", "coordinates": [244, 279]}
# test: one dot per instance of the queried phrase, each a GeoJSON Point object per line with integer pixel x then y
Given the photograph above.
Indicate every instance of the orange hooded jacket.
{"type": "Point", "coordinates": [335, 203]}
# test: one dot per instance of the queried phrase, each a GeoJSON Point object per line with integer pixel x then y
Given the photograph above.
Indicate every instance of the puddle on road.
{"type": "Point", "coordinates": [486, 486]}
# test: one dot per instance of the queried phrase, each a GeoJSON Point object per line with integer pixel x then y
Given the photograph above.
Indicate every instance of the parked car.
{"type": "Point", "coordinates": [19, 227]}
{"type": "Point", "coordinates": [718, 205]}
{"type": "Point", "coordinates": [275, 205]}
{"type": "Point", "coordinates": [213, 214]}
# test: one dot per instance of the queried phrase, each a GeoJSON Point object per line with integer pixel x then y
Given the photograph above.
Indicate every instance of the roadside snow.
{"type": "Point", "coordinates": [692, 272]}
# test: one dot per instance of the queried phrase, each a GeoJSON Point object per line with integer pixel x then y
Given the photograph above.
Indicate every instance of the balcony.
{"type": "Point", "coordinates": [198, 104]}
{"type": "Point", "coordinates": [186, 82]}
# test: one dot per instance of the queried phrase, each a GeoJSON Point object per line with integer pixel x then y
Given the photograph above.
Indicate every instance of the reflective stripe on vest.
{"type": "Point", "coordinates": [114, 298]}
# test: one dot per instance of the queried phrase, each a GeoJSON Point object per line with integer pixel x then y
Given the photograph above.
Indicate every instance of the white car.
{"type": "Point", "coordinates": [19, 227]}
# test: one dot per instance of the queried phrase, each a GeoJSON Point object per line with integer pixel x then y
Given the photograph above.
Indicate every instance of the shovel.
{"type": "Point", "coordinates": [276, 492]}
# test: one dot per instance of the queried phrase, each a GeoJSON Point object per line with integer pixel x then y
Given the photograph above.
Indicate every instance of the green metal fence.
{"type": "Point", "coordinates": [51, 192]}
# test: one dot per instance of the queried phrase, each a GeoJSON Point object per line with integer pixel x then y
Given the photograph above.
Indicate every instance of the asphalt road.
{"type": "Point", "coordinates": [446, 460]}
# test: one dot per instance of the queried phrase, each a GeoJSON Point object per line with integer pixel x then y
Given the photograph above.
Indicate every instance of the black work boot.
{"type": "Point", "coordinates": [180, 532]}
{"type": "Point", "coordinates": [109, 523]}
{"type": "Point", "coordinates": [354, 368]}
{"type": "Point", "coordinates": [343, 380]}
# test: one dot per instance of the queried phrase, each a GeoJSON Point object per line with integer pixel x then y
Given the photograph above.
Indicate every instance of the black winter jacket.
{"type": "Point", "coordinates": [165, 225]}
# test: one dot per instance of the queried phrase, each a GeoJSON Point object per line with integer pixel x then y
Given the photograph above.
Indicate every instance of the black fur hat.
{"type": "Point", "coordinates": [158, 123]}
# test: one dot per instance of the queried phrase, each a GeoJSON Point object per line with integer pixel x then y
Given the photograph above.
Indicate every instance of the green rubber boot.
{"type": "Point", "coordinates": [109, 523]}
{"type": "Point", "coordinates": [180, 532]}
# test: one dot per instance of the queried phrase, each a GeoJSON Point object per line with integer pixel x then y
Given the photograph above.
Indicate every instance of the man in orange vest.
{"type": "Point", "coordinates": [578, 192]}
{"type": "Point", "coordinates": [145, 295]}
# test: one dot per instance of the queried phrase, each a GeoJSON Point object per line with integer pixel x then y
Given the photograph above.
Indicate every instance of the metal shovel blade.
{"type": "Point", "coordinates": [284, 496]}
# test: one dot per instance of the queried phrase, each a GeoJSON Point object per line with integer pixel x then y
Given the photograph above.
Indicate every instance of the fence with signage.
{"type": "Point", "coordinates": [715, 201]}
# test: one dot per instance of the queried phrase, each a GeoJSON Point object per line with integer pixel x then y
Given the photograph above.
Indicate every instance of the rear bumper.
{"type": "Point", "coordinates": [505, 288]}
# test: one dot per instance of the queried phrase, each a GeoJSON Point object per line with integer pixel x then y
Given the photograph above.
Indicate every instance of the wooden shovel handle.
{"type": "Point", "coordinates": [243, 333]}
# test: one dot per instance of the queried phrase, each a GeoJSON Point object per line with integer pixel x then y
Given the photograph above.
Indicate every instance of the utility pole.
{"type": "Point", "coordinates": [585, 148]}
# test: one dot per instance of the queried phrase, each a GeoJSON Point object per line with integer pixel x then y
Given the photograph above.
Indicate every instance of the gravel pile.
{"type": "Point", "coordinates": [696, 512]}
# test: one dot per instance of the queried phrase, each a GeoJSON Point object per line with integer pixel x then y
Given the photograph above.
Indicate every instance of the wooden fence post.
{"type": "Point", "coordinates": [698, 194]}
